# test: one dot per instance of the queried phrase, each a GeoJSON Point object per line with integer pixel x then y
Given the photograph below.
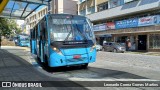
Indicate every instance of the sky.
{"type": "Point", "coordinates": [20, 22]}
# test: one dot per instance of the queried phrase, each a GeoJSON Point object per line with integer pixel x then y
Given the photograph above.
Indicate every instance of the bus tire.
{"type": "Point", "coordinates": [46, 60]}
{"type": "Point", "coordinates": [38, 58]}
{"type": "Point", "coordinates": [85, 66]}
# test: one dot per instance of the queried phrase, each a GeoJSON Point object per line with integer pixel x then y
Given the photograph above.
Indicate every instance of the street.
{"type": "Point", "coordinates": [17, 64]}
{"type": "Point", "coordinates": [80, 44]}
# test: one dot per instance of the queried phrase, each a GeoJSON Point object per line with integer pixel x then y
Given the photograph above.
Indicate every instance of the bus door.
{"type": "Point", "coordinates": [31, 35]}
{"type": "Point", "coordinates": [43, 41]}
{"type": "Point", "coordinates": [32, 41]}
{"type": "Point", "coordinates": [38, 41]}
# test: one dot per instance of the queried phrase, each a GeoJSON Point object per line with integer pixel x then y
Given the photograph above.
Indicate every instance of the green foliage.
{"type": "Point", "coordinates": [8, 27]}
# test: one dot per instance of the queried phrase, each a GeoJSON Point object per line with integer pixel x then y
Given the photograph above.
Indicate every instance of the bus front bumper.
{"type": "Point", "coordinates": [57, 60]}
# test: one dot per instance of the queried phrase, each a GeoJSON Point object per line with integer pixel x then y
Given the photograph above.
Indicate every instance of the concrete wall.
{"type": "Point", "coordinates": [70, 6]}
{"type": "Point", "coordinates": [64, 6]}
{"type": "Point", "coordinates": [126, 9]}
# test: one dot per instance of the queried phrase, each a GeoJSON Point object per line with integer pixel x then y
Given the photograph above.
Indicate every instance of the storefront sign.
{"type": "Point", "coordinates": [110, 25]}
{"type": "Point", "coordinates": [95, 28]}
{"type": "Point", "coordinates": [146, 21]}
{"type": "Point", "coordinates": [158, 19]}
{"type": "Point", "coordinates": [99, 27]}
{"type": "Point", "coordinates": [127, 23]}
{"type": "Point", "coordinates": [102, 27]}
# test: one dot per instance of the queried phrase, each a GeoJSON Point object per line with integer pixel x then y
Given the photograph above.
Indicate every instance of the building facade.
{"type": "Point", "coordinates": [64, 6]}
{"type": "Point", "coordinates": [34, 18]}
{"type": "Point", "coordinates": [57, 7]}
{"type": "Point", "coordinates": [120, 20]}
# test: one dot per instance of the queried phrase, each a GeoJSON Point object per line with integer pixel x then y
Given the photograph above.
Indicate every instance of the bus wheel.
{"type": "Point", "coordinates": [46, 60]}
{"type": "Point", "coordinates": [38, 59]}
{"type": "Point", "coordinates": [84, 66]}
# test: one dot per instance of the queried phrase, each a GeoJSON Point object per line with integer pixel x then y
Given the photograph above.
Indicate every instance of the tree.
{"type": "Point", "coordinates": [8, 27]}
{"type": "Point", "coordinates": [4, 27]}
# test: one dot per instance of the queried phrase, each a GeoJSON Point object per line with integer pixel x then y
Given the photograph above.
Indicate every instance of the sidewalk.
{"type": "Point", "coordinates": [144, 53]}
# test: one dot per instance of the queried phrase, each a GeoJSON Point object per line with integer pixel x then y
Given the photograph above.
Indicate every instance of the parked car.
{"type": "Point", "coordinates": [114, 47]}
{"type": "Point", "coordinates": [98, 47]}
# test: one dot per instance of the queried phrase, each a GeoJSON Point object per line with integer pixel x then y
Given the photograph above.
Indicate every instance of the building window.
{"type": "Point", "coordinates": [154, 41]}
{"type": "Point", "coordinates": [103, 6]}
{"type": "Point", "coordinates": [35, 17]}
{"type": "Point", "coordinates": [91, 10]}
{"type": "Point", "coordinates": [81, 1]}
{"type": "Point", "coordinates": [83, 12]}
{"type": "Point", "coordinates": [115, 3]}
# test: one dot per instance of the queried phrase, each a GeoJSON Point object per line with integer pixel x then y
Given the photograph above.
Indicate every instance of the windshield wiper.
{"type": "Point", "coordinates": [70, 31]}
{"type": "Point", "coordinates": [68, 35]}
{"type": "Point", "coordinates": [74, 33]}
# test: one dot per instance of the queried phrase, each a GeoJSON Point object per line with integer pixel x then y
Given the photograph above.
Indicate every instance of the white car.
{"type": "Point", "coordinates": [98, 47]}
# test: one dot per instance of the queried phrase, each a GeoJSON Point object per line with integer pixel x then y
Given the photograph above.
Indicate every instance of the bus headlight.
{"type": "Point", "coordinates": [92, 48]}
{"type": "Point", "coordinates": [56, 50]}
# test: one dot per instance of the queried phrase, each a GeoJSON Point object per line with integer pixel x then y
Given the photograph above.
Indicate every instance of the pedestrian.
{"type": "Point", "coordinates": [128, 45]}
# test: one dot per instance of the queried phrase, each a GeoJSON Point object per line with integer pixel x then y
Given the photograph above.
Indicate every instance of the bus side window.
{"type": "Point", "coordinates": [41, 31]}
{"type": "Point", "coordinates": [36, 32]}
{"type": "Point", "coordinates": [33, 35]}
{"type": "Point", "coordinates": [45, 31]}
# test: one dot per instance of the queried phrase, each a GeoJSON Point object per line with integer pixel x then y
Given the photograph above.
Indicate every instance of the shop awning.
{"type": "Point", "coordinates": [20, 9]}
{"type": "Point", "coordinates": [106, 35]}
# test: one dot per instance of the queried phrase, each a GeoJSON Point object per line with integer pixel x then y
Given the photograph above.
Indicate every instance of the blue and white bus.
{"type": "Point", "coordinates": [23, 40]}
{"type": "Point", "coordinates": [64, 40]}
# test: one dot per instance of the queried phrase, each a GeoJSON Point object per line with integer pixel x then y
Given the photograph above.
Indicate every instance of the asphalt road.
{"type": "Point", "coordinates": [17, 64]}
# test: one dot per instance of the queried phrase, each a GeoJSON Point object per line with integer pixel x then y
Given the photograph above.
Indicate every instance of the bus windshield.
{"type": "Point", "coordinates": [70, 28]}
{"type": "Point", "coordinates": [24, 38]}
